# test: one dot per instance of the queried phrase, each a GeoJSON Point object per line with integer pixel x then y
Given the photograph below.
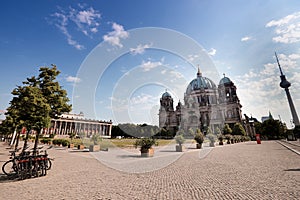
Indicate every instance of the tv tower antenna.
{"type": "Point", "coordinates": [285, 84]}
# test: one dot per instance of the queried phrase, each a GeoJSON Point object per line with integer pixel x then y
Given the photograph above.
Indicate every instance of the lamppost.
{"type": "Point", "coordinates": [285, 84]}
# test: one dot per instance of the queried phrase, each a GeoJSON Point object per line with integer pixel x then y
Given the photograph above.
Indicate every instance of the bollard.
{"type": "Point", "coordinates": [258, 139]}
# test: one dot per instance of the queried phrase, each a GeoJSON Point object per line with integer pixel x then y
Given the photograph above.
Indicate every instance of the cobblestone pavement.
{"type": "Point", "coordinates": [238, 171]}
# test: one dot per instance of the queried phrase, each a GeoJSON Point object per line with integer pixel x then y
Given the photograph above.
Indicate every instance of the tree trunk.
{"type": "Point", "coordinates": [36, 142]}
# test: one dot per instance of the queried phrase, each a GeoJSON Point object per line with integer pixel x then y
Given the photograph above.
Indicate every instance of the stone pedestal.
{"type": "Point", "coordinates": [180, 148]}
{"type": "Point", "coordinates": [147, 152]}
{"type": "Point", "coordinates": [94, 148]}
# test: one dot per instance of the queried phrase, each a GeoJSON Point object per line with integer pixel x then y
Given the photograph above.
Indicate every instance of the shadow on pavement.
{"type": "Point", "coordinates": [130, 156]}
{"type": "Point", "coordinates": [292, 170]}
{"type": "Point", "coordinates": [5, 179]}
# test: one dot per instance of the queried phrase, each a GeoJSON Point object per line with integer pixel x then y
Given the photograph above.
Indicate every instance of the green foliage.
{"type": "Point", "coordinates": [7, 126]}
{"type": "Point", "coordinates": [220, 137]}
{"type": "Point", "coordinates": [96, 138]}
{"type": "Point", "coordinates": [217, 131]}
{"type": "Point", "coordinates": [271, 129]}
{"type": "Point", "coordinates": [209, 131]}
{"type": "Point", "coordinates": [71, 135]}
{"type": "Point", "coordinates": [191, 132]}
{"type": "Point", "coordinates": [179, 138]}
{"type": "Point", "coordinates": [133, 130]}
{"type": "Point", "coordinates": [237, 138]}
{"type": "Point", "coordinates": [211, 137]}
{"type": "Point", "coordinates": [52, 91]}
{"type": "Point", "coordinates": [227, 129]}
{"type": "Point", "coordinates": [63, 142]}
{"type": "Point", "coordinates": [199, 137]}
{"type": "Point", "coordinates": [30, 108]}
{"type": "Point", "coordinates": [228, 137]}
{"type": "Point", "coordinates": [238, 129]}
{"type": "Point", "coordinates": [45, 140]}
{"type": "Point", "coordinates": [36, 102]}
{"type": "Point", "coordinates": [145, 143]}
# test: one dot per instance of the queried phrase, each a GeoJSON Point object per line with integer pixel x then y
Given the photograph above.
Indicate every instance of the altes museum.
{"type": "Point", "coordinates": [205, 105]}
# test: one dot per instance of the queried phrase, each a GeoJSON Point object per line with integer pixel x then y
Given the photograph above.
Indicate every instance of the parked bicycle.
{"type": "Point", "coordinates": [27, 164]}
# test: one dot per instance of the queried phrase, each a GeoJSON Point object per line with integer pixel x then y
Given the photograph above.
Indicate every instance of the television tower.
{"type": "Point", "coordinates": [285, 84]}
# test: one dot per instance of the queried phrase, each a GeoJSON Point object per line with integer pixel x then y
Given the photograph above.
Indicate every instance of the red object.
{"type": "Point", "coordinates": [23, 130]}
{"type": "Point", "coordinates": [258, 139]}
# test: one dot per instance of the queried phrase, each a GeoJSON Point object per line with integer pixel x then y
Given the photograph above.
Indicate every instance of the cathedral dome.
{"type": "Point", "coordinates": [224, 80]}
{"type": "Point", "coordinates": [200, 83]}
{"type": "Point", "coordinates": [166, 94]}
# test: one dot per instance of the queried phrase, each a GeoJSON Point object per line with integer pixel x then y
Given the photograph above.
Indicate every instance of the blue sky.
{"type": "Point", "coordinates": [239, 37]}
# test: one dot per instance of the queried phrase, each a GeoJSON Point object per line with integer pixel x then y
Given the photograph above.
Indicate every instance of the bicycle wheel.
{"type": "Point", "coordinates": [48, 164]}
{"type": "Point", "coordinates": [9, 168]}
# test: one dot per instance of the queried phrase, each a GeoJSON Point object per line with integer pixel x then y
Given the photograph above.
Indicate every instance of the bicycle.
{"type": "Point", "coordinates": [26, 166]}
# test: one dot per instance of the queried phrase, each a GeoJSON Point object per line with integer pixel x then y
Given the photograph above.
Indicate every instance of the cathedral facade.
{"type": "Point", "coordinates": [205, 105]}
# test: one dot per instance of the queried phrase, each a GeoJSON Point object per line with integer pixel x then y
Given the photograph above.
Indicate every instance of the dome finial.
{"type": "Point", "coordinates": [199, 72]}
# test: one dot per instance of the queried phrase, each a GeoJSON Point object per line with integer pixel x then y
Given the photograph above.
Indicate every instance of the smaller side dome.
{"type": "Point", "coordinates": [166, 94]}
{"type": "Point", "coordinates": [224, 80]}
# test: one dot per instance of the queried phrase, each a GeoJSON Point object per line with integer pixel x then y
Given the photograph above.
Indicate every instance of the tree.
{"type": "Point", "coordinates": [273, 129]}
{"type": "Point", "coordinates": [56, 96]}
{"type": "Point", "coordinates": [37, 101]}
{"type": "Point", "coordinates": [238, 129]}
{"type": "Point", "coordinates": [227, 129]}
{"type": "Point", "coordinates": [29, 108]}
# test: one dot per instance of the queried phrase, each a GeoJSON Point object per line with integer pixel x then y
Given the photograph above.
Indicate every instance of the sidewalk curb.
{"type": "Point", "coordinates": [286, 146]}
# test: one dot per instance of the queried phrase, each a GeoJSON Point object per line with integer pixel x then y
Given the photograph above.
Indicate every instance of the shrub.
{"type": "Point", "coordinates": [211, 138]}
{"type": "Point", "coordinates": [56, 142]}
{"type": "Point", "coordinates": [96, 139]}
{"type": "Point", "coordinates": [247, 138]}
{"type": "Point", "coordinates": [45, 140]}
{"type": "Point", "coordinates": [237, 138]}
{"type": "Point", "coordinates": [145, 143]}
{"type": "Point", "coordinates": [228, 137]}
{"type": "Point", "coordinates": [65, 142]}
{"type": "Point", "coordinates": [179, 139]}
{"type": "Point", "coordinates": [220, 137]}
{"type": "Point", "coordinates": [199, 137]}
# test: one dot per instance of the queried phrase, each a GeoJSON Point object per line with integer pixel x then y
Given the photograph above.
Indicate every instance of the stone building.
{"type": "Point", "coordinates": [205, 105]}
{"type": "Point", "coordinates": [76, 123]}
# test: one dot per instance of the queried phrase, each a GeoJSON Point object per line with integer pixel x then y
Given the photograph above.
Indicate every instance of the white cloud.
{"type": "Point", "coordinates": [72, 79]}
{"type": "Point", "coordinates": [114, 37]}
{"type": "Point", "coordinates": [287, 28]}
{"type": "Point", "coordinates": [212, 52]}
{"type": "Point", "coordinates": [143, 99]}
{"type": "Point", "coordinates": [259, 91]}
{"type": "Point", "coordinates": [192, 57]}
{"type": "Point", "coordinates": [84, 19]}
{"type": "Point", "coordinates": [140, 49]}
{"type": "Point", "coordinates": [61, 24]}
{"type": "Point", "coordinates": [150, 65]}
{"type": "Point", "coordinates": [246, 38]}
{"type": "Point", "coordinates": [87, 20]}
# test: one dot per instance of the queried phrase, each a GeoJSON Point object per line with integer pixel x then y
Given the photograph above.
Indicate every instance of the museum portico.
{"type": "Point", "coordinates": [77, 124]}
